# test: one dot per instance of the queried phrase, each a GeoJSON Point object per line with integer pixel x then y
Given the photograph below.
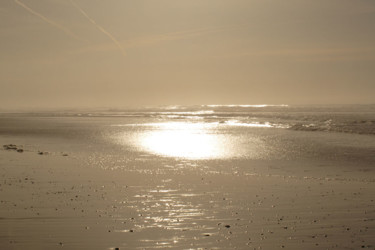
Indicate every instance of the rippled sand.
{"type": "Point", "coordinates": [54, 200]}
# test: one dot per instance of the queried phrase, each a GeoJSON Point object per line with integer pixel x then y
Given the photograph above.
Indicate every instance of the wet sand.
{"type": "Point", "coordinates": [52, 201]}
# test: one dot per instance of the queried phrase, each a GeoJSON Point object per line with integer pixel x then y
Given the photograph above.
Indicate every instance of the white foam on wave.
{"type": "Point", "coordinates": [255, 124]}
{"type": "Point", "coordinates": [200, 112]}
{"type": "Point", "coordinates": [245, 105]}
{"type": "Point", "coordinates": [204, 125]}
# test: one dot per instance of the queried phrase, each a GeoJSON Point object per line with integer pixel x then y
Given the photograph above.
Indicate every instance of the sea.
{"type": "Point", "coordinates": [227, 135]}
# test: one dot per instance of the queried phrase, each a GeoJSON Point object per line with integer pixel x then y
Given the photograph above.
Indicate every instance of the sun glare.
{"type": "Point", "coordinates": [186, 140]}
{"type": "Point", "coordinates": [194, 140]}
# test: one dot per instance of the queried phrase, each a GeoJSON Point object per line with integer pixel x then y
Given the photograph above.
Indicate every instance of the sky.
{"type": "Point", "coordinates": [120, 53]}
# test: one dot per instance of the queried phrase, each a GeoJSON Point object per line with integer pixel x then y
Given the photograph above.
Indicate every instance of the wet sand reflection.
{"type": "Point", "coordinates": [182, 214]}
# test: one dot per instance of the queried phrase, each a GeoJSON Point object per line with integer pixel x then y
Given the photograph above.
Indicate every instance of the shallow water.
{"type": "Point", "coordinates": [200, 134]}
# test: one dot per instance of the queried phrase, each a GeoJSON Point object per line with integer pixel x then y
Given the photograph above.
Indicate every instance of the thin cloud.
{"type": "Point", "coordinates": [49, 21]}
{"type": "Point", "coordinates": [114, 40]}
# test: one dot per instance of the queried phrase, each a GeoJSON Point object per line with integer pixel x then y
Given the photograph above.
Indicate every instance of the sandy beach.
{"type": "Point", "coordinates": [54, 201]}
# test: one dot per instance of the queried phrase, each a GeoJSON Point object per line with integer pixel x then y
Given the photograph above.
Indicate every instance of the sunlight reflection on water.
{"type": "Point", "coordinates": [183, 141]}
{"type": "Point", "coordinates": [170, 209]}
{"type": "Point", "coordinates": [194, 140]}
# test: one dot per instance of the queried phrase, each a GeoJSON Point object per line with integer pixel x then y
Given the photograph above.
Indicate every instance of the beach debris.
{"type": "Point", "coordinates": [13, 147]}
{"type": "Point", "coordinates": [10, 147]}
{"type": "Point", "coordinates": [64, 154]}
{"type": "Point", "coordinates": [42, 153]}
{"type": "Point", "coordinates": [227, 226]}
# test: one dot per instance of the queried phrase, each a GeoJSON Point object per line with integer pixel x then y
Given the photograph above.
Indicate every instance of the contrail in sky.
{"type": "Point", "coordinates": [56, 25]}
{"type": "Point", "coordinates": [114, 40]}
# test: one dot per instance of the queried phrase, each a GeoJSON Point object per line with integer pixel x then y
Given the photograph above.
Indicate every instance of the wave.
{"type": "Point", "coordinates": [354, 127]}
{"type": "Point", "coordinates": [358, 119]}
{"type": "Point", "coordinates": [245, 106]}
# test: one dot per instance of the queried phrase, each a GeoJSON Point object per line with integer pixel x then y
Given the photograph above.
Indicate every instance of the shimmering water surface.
{"type": "Point", "coordinates": [176, 136]}
{"type": "Point", "coordinates": [191, 140]}
{"type": "Point", "coordinates": [175, 151]}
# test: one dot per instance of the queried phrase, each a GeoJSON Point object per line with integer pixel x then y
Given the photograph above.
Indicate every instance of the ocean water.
{"type": "Point", "coordinates": [235, 135]}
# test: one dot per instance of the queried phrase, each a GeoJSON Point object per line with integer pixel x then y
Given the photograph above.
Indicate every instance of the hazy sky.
{"type": "Point", "coordinates": [105, 53]}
